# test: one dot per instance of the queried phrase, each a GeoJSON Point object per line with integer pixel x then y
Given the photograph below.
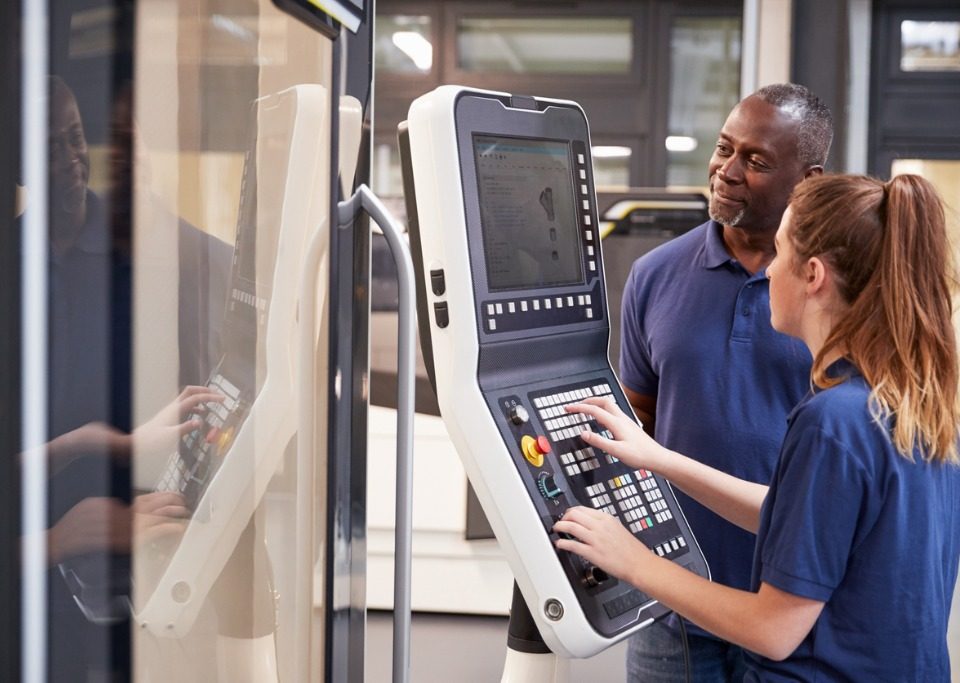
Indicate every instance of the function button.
{"type": "Point", "coordinates": [589, 250]}
{"type": "Point", "coordinates": [586, 219]}
{"type": "Point", "coordinates": [589, 235]}
{"type": "Point", "coordinates": [437, 282]}
{"type": "Point", "coordinates": [593, 265]}
{"type": "Point", "coordinates": [442, 314]}
{"type": "Point", "coordinates": [490, 309]}
{"type": "Point", "coordinates": [547, 304]}
{"type": "Point", "coordinates": [559, 302]}
{"type": "Point", "coordinates": [583, 174]}
{"type": "Point", "coordinates": [569, 301]}
{"type": "Point", "coordinates": [588, 300]}
{"type": "Point", "coordinates": [536, 304]}
{"type": "Point", "coordinates": [493, 324]}
{"type": "Point", "coordinates": [580, 158]}
{"type": "Point", "coordinates": [523, 306]}
{"type": "Point", "coordinates": [586, 204]}
{"type": "Point", "coordinates": [580, 300]}
{"type": "Point", "coordinates": [499, 309]}
{"type": "Point", "coordinates": [511, 307]}
{"type": "Point", "coordinates": [583, 189]}
{"type": "Point", "coordinates": [590, 313]}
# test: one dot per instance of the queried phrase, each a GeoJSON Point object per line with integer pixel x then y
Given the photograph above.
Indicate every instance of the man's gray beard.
{"type": "Point", "coordinates": [723, 220]}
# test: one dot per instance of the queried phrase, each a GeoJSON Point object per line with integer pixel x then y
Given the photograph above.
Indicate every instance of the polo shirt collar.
{"type": "Point", "coordinates": [714, 254]}
{"type": "Point", "coordinates": [841, 368]}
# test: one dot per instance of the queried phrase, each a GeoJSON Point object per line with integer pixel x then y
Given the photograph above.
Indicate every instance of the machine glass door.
{"type": "Point", "coordinates": [184, 459]}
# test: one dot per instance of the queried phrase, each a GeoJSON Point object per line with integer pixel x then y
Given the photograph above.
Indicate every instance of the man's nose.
{"type": "Point", "coordinates": [730, 170]}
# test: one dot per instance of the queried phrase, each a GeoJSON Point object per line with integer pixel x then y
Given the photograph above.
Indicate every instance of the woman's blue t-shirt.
{"type": "Point", "coordinates": [851, 522]}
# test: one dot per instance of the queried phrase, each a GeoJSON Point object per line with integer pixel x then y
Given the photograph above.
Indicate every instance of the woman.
{"type": "Point", "coordinates": [858, 533]}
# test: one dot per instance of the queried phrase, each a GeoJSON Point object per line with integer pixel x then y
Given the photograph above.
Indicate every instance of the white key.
{"type": "Point", "coordinates": [511, 307]}
{"type": "Point", "coordinates": [493, 324]}
{"type": "Point", "coordinates": [499, 309]}
{"type": "Point", "coordinates": [490, 309]}
{"type": "Point", "coordinates": [523, 306]}
{"type": "Point", "coordinates": [586, 219]}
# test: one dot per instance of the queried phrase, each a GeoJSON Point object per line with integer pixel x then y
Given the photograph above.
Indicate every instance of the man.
{"type": "Point", "coordinates": [700, 363]}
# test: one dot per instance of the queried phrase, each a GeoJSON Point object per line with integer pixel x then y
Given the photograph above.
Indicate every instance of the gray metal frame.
{"type": "Point", "coordinates": [10, 347]}
{"type": "Point", "coordinates": [912, 114]}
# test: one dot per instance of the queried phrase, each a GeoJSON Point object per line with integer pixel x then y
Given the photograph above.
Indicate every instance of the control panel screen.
{"type": "Point", "coordinates": [527, 212]}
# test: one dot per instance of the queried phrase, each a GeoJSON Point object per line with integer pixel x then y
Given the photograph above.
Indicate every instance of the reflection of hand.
{"type": "Point", "coordinates": [107, 524]}
{"type": "Point", "coordinates": [159, 514]}
{"type": "Point", "coordinates": [93, 524]}
{"type": "Point", "coordinates": [88, 439]}
{"type": "Point", "coordinates": [602, 541]}
{"type": "Point", "coordinates": [159, 435]}
{"type": "Point", "coordinates": [630, 444]}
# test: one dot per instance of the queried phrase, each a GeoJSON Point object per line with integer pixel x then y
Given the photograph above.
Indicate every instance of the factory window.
{"type": "Point", "coordinates": [545, 45]}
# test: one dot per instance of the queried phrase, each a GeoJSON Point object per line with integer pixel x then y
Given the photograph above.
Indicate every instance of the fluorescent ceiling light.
{"type": "Point", "coordinates": [680, 143]}
{"type": "Point", "coordinates": [416, 47]}
{"type": "Point", "coordinates": [610, 152]}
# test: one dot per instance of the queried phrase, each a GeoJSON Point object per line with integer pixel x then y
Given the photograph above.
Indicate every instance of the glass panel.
{"type": "Point", "coordinates": [542, 45]}
{"type": "Point", "coordinates": [704, 87]}
{"type": "Point", "coordinates": [188, 158]}
{"type": "Point", "coordinates": [930, 46]}
{"type": "Point", "coordinates": [611, 166]}
{"type": "Point", "coordinates": [403, 44]}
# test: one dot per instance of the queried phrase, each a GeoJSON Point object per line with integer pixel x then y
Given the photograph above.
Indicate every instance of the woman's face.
{"type": "Point", "coordinates": [787, 286]}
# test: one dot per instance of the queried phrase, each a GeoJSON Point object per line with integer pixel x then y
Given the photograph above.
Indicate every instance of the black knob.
{"type": "Point", "coordinates": [594, 576]}
{"type": "Point", "coordinates": [518, 415]}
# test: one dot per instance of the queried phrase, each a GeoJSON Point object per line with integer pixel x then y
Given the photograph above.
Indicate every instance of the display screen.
{"type": "Point", "coordinates": [527, 213]}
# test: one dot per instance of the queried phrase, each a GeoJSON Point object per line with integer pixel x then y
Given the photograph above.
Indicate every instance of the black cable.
{"type": "Point", "coordinates": [686, 649]}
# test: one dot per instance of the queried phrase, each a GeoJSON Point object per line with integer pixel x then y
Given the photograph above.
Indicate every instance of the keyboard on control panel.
{"type": "Point", "coordinates": [189, 469]}
{"type": "Point", "coordinates": [633, 495]}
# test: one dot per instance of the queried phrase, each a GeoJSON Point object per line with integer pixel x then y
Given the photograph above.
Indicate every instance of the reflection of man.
{"type": "Point", "coordinates": [91, 514]}
{"type": "Point", "coordinates": [700, 363]}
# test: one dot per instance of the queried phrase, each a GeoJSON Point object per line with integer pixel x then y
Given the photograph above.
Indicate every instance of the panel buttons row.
{"type": "Point", "coordinates": [495, 311]}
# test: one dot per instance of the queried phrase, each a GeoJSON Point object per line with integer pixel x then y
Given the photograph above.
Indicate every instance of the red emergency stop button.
{"type": "Point", "coordinates": [534, 449]}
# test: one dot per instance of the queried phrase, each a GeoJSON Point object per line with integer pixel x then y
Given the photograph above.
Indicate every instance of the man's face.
{"type": "Point", "coordinates": [754, 166]}
{"type": "Point", "coordinates": [69, 158]}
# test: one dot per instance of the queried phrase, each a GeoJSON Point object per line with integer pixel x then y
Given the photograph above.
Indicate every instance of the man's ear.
{"type": "Point", "coordinates": [813, 170]}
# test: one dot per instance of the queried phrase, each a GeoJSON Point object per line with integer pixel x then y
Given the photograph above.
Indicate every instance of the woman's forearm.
{"type": "Point", "coordinates": [736, 500]}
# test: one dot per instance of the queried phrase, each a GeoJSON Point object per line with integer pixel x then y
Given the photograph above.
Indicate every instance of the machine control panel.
{"type": "Point", "coordinates": [502, 211]}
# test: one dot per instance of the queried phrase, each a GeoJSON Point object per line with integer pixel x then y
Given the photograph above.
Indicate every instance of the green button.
{"type": "Point", "coordinates": [649, 522]}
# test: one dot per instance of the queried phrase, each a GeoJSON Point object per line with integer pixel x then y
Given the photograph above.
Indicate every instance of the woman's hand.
{"type": "Point", "coordinates": [159, 435]}
{"type": "Point", "coordinates": [630, 444]}
{"type": "Point", "coordinates": [602, 541]}
{"type": "Point", "coordinates": [159, 514]}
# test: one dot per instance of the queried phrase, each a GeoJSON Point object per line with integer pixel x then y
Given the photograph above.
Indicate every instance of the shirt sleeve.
{"type": "Point", "coordinates": [820, 498]}
{"type": "Point", "coordinates": [636, 368]}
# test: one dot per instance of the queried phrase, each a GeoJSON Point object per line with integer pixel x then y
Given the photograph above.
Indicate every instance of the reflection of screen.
{"type": "Point", "coordinates": [527, 212]}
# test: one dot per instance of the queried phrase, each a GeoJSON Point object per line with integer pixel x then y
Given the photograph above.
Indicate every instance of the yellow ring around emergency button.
{"type": "Point", "coordinates": [530, 451]}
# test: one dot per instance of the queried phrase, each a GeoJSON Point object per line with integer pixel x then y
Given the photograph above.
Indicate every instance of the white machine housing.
{"type": "Point", "coordinates": [462, 318]}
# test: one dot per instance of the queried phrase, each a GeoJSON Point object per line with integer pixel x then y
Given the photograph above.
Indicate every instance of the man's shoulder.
{"type": "Point", "coordinates": [679, 254]}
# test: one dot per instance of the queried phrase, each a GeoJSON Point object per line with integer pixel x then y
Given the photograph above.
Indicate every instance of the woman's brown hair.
{"type": "Point", "coordinates": [886, 245]}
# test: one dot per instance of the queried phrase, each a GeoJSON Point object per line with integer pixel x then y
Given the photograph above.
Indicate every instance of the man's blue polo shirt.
{"type": "Point", "coordinates": [696, 334]}
{"type": "Point", "coordinates": [850, 522]}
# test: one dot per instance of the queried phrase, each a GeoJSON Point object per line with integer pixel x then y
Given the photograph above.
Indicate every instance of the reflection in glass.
{"type": "Point", "coordinates": [543, 45]}
{"type": "Point", "coordinates": [176, 247]}
{"type": "Point", "coordinates": [704, 87]}
{"type": "Point", "coordinates": [403, 44]}
{"type": "Point", "coordinates": [930, 46]}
